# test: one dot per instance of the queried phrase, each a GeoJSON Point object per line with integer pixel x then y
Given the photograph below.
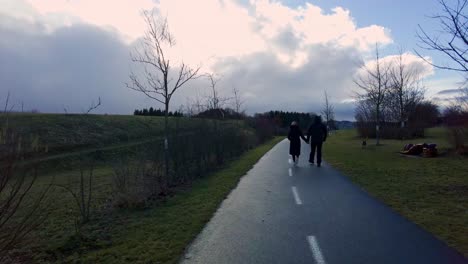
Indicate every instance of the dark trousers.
{"type": "Point", "coordinates": [316, 146]}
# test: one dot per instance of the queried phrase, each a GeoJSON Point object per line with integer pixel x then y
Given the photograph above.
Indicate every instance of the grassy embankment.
{"type": "Point", "coordinates": [432, 192]}
{"type": "Point", "coordinates": [158, 233]}
{"type": "Point", "coordinates": [65, 134]}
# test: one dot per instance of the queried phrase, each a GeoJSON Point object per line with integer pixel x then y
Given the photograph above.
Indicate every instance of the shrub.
{"type": "Point", "coordinates": [134, 182]}
{"type": "Point", "coordinates": [192, 153]}
{"type": "Point", "coordinates": [389, 130]}
{"type": "Point", "coordinates": [456, 120]}
{"type": "Point", "coordinates": [22, 209]}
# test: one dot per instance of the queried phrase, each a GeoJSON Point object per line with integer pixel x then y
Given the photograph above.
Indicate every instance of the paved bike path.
{"type": "Point", "coordinates": [280, 213]}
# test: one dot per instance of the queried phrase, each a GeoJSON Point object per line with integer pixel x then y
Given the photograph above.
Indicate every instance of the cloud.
{"type": "Point", "coordinates": [225, 28]}
{"type": "Point", "coordinates": [65, 69]}
{"type": "Point", "coordinates": [61, 53]}
{"type": "Point", "coordinates": [412, 63]}
{"type": "Point", "coordinates": [273, 86]}
{"type": "Point", "coordinates": [122, 16]}
{"type": "Point", "coordinates": [451, 91]}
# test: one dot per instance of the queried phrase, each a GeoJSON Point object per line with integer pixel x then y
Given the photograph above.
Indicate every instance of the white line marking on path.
{"type": "Point", "coordinates": [290, 172]}
{"type": "Point", "coordinates": [314, 247]}
{"type": "Point", "coordinates": [296, 195]}
{"type": "Point", "coordinates": [290, 161]}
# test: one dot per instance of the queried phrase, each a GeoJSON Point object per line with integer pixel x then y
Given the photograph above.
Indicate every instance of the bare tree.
{"type": "Point", "coordinates": [238, 101]}
{"type": "Point", "coordinates": [374, 84]}
{"type": "Point", "coordinates": [199, 104]}
{"type": "Point", "coordinates": [195, 104]}
{"type": "Point", "coordinates": [406, 90]}
{"type": "Point", "coordinates": [328, 110]}
{"type": "Point", "coordinates": [452, 39]}
{"type": "Point", "coordinates": [6, 110]}
{"type": "Point", "coordinates": [190, 108]}
{"type": "Point", "coordinates": [158, 82]}
{"type": "Point", "coordinates": [215, 101]}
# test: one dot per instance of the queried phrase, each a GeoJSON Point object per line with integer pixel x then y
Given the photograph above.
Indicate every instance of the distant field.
{"type": "Point", "coordinates": [72, 132]}
{"type": "Point", "coordinates": [67, 135]}
{"type": "Point", "coordinates": [432, 192]}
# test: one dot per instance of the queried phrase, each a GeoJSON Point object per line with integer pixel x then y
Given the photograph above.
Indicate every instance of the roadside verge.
{"type": "Point", "coordinates": [161, 234]}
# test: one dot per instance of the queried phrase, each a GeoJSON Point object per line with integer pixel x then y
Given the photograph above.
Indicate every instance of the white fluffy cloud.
{"type": "Point", "coordinates": [278, 56]}
{"type": "Point", "coordinates": [412, 63]}
{"type": "Point", "coordinates": [208, 29]}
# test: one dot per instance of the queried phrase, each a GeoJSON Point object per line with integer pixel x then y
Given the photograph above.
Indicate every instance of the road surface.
{"type": "Point", "coordinates": [280, 213]}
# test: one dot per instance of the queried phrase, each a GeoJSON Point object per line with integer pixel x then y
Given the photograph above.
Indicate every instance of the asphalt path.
{"type": "Point", "coordinates": [282, 213]}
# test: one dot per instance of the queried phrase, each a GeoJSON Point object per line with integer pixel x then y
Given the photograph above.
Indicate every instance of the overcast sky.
{"type": "Point", "coordinates": [281, 55]}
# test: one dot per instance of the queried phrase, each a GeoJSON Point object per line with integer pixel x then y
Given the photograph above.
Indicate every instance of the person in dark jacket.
{"type": "Point", "coordinates": [294, 136]}
{"type": "Point", "coordinates": [316, 135]}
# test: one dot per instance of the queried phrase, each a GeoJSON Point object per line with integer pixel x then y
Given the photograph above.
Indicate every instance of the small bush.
{"type": "Point", "coordinates": [389, 130]}
{"type": "Point", "coordinates": [134, 183]}
{"type": "Point", "coordinates": [21, 209]}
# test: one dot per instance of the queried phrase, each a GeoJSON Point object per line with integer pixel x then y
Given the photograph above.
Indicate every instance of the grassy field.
{"type": "Point", "coordinates": [63, 133]}
{"type": "Point", "coordinates": [432, 192]}
{"type": "Point", "coordinates": [158, 233]}
{"type": "Point", "coordinates": [158, 230]}
{"type": "Point", "coordinates": [68, 136]}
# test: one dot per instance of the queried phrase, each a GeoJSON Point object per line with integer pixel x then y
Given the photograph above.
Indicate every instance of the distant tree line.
{"type": "Point", "coordinates": [155, 112]}
{"type": "Point", "coordinates": [284, 119]}
{"type": "Point", "coordinates": [279, 121]}
{"type": "Point", "coordinates": [220, 113]}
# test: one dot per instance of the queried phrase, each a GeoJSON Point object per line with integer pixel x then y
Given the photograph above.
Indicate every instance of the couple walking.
{"type": "Point", "coordinates": [316, 135]}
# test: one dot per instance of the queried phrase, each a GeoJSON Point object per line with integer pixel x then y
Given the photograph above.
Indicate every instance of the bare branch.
{"type": "Point", "coordinates": [374, 85]}
{"type": "Point", "coordinates": [453, 38]}
{"type": "Point", "coordinates": [6, 102]}
{"type": "Point", "coordinates": [406, 90]}
{"type": "Point", "coordinates": [151, 55]}
{"type": "Point", "coordinates": [238, 101]}
{"type": "Point", "coordinates": [328, 110]}
{"type": "Point", "coordinates": [215, 101]}
{"type": "Point", "coordinates": [94, 106]}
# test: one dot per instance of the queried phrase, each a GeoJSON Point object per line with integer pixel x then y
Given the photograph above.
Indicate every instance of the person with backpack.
{"type": "Point", "coordinates": [294, 136]}
{"type": "Point", "coordinates": [316, 135]}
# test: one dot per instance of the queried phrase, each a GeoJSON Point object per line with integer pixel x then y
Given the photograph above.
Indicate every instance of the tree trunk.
{"type": "Point", "coordinates": [166, 147]}
{"type": "Point", "coordinates": [377, 127]}
{"type": "Point", "coordinates": [402, 108]}
{"type": "Point", "coordinates": [82, 194]}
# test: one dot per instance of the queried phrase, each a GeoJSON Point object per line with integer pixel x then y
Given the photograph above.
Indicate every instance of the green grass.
{"type": "Point", "coordinates": [72, 137]}
{"type": "Point", "coordinates": [63, 133]}
{"type": "Point", "coordinates": [68, 136]}
{"type": "Point", "coordinates": [157, 234]}
{"type": "Point", "coordinates": [432, 192]}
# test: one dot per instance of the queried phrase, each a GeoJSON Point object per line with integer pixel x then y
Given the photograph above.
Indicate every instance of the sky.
{"type": "Point", "coordinates": [61, 55]}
